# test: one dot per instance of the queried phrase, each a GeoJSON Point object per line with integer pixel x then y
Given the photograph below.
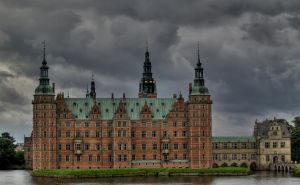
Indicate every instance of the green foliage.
{"type": "Point", "coordinates": [6, 135]}
{"type": "Point", "coordinates": [8, 156]}
{"type": "Point", "coordinates": [19, 158]}
{"type": "Point", "coordinates": [141, 171]}
{"type": "Point", "coordinates": [295, 139]}
{"type": "Point", "coordinates": [296, 121]}
{"type": "Point", "coordinates": [7, 153]}
{"type": "Point", "coordinates": [296, 171]}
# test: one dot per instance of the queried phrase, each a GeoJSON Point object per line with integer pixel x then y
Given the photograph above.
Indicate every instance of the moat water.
{"type": "Point", "coordinates": [22, 177]}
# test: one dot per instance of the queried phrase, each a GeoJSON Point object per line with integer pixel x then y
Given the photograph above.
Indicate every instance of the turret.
{"type": "Point", "coordinates": [44, 88]}
{"type": "Point", "coordinates": [199, 86]}
{"type": "Point", "coordinates": [147, 87]}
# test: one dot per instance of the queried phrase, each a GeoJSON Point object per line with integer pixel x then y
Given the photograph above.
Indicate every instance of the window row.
{"type": "Point", "coordinates": [234, 156]}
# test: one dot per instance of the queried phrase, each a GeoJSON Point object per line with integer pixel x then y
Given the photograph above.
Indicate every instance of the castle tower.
{"type": "Point", "coordinates": [147, 84]}
{"type": "Point", "coordinates": [44, 121]}
{"type": "Point", "coordinates": [199, 115]}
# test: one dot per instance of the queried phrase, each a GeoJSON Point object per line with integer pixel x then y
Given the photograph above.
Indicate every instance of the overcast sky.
{"type": "Point", "coordinates": [249, 49]}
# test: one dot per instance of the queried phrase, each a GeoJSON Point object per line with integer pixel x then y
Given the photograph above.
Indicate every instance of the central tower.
{"type": "Point", "coordinates": [147, 84]}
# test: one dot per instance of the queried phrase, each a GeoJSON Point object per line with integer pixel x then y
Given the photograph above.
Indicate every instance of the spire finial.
{"type": "Point", "coordinates": [198, 52]}
{"type": "Point", "coordinates": [147, 48]}
{"type": "Point", "coordinates": [44, 52]}
{"type": "Point", "coordinates": [92, 76]}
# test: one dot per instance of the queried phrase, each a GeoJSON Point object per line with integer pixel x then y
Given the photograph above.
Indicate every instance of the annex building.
{"type": "Point", "coordinates": [143, 132]}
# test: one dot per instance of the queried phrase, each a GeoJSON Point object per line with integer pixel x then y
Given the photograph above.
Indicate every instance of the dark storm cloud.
{"type": "Point", "coordinates": [250, 51]}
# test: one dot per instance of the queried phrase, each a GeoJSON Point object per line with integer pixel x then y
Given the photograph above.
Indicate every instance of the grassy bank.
{"type": "Point", "coordinates": [296, 171]}
{"type": "Point", "coordinates": [139, 172]}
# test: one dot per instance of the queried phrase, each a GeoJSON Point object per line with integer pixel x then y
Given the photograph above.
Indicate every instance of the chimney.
{"type": "Point", "coordinates": [190, 88]}
{"type": "Point", "coordinates": [53, 87]}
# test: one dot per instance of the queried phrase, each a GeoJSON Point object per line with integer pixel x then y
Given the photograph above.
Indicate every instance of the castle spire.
{"type": "Point", "coordinates": [198, 63]}
{"type": "Point", "coordinates": [147, 87]}
{"type": "Point", "coordinates": [44, 53]}
{"type": "Point", "coordinates": [44, 87]}
{"type": "Point", "coordinates": [93, 88]}
{"type": "Point", "coordinates": [199, 86]}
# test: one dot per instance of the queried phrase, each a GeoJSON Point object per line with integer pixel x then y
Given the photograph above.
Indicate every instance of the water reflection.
{"type": "Point", "coordinates": [21, 177]}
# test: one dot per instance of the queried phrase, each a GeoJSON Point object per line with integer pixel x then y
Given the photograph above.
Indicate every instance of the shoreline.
{"type": "Point", "coordinates": [131, 172]}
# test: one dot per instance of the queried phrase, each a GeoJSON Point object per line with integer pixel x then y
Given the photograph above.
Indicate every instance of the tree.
{"type": "Point", "coordinates": [7, 136]}
{"type": "Point", "coordinates": [295, 139]}
{"type": "Point", "coordinates": [7, 153]}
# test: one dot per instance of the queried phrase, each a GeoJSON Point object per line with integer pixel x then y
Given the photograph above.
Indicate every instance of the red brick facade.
{"type": "Point", "coordinates": [182, 139]}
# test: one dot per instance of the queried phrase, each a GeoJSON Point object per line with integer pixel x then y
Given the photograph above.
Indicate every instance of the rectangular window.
{"type": "Point", "coordinates": [234, 156]}
{"type": "Point", "coordinates": [143, 146]}
{"type": "Point", "coordinates": [110, 133]}
{"type": "Point", "coordinates": [120, 158]}
{"type": "Point", "coordinates": [110, 146]}
{"type": "Point", "coordinates": [184, 146]}
{"type": "Point", "coordinates": [224, 145]}
{"type": "Point", "coordinates": [110, 159]}
{"type": "Point", "coordinates": [215, 145]}
{"type": "Point", "coordinates": [215, 157]}
{"type": "Point", "coordinates": [253, 156]}
{"type": "Point", "coordinates": [86, 147]}
{"type": "Point", "coordinates": [98, 146]}
{"type": "Point", "coordinates": [224, 156]}
{"type": "Point", "coordinates": [244, 156]}
{"type": "Point", "coordinates": [132, 133]}
{"type": "Point", "coordinates": [143, 134]}
{"type": "Point", "coordinates": [77, 133]}
{"type": "Point", "coordinates": [244, 145]}
{"type": "Point", "coordinates": [175, 146]}
{"type": "Point", "coordinates": [175, 133]}
{"type": "Point", "coordinates": [98, 158]}
{"type": "Point", "coordinates": [165, 133]}
{"type": "Point", "coordinates": [90, 158]}
{"type": "Point", "coordinates": [234, 145]}
{"type": "Point", "coordinates": [98, 134]}
{"type": "Point", "coordinates": [267, 145]}
{"type": "Point", "coordinates": [133, 146]}
{"type": "Point", "coordinates": [175, 156]}
{"type": "Point", "coordinates": [58, 133]}
{"type": "Point", "coordinates": [78, 158]}
{"type": "Point", "coordinates": [133, 157]}
{"type": "Point", "coordinates": [59, 157]}
{"type": "Point", "coordinates": [68, 147]}
{"type": "Point", "coordinates": [68, 134]}
{"type": "Point", "coordinates": [267, 158]}
{"type": "Point", "coordinates": [144, 157]}
{"type": "Point", "coordinates": [154, 157]}
{"type": "Point", "coordinates": [59, 146]}
{"type": "Point", "coordinates": [87, 134]}
{"type": "Point", "coordinates": [153, 134]}
{"type": "Point", "coordinates": [154, 146]}
{"type": "Point", "coordinates": [282, 144]}
{"type": "Point", "coordinates": [67, 158]}
{"type": "Point", "coordinates": [78, 146]}
{"type": "Point", "coordinates": [275, 144]}
{"type": "Point", "coordinates": [184, 156]}
{"type": "Point", "coordinates": [86, 124]}
{"type": "Point", "coordinates": [125, 157]}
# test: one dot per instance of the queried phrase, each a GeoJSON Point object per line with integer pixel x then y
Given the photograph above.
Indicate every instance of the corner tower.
{"type": "Point", "coordinates": [199, 115]}
{"type": "Point", "coordinates": [44, 121]}
{"type": "Point", "coordinates": [147, 84]}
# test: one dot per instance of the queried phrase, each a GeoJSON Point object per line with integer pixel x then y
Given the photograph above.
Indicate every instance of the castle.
{"type": "Point", "coordinates": [143, 132]}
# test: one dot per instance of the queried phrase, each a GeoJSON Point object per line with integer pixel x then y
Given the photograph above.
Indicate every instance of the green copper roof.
{"type": "Point", "coordinates": [81, 107]}
{"type": "Point", "coordinates": [44, 90]}
{"type": "Point", "coordinates": [199, 90]}
{"type": "Point", "coordinates": [233, 139]}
